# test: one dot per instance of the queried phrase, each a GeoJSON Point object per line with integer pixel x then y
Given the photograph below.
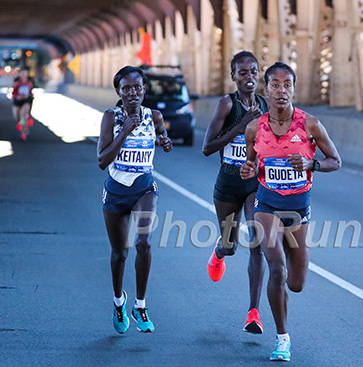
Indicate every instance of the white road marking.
{"type": "Point", "coordinates": [185, 192]}
{"type": "Point", "coordinates": [313, 267]}
{"type": "Point", "coordinates": [353, 171]}
{"type": "Point", "coordinates": [336, 280]}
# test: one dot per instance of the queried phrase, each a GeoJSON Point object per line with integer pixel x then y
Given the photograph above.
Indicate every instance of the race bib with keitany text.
{"type": "Point", "coordinates": [136, 155]}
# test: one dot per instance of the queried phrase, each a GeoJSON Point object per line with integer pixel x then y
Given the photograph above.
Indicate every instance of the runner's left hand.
{"type": "Point", "coordinates": [165, 143]}
{"type": "Point", "coordinates": [299, 162]}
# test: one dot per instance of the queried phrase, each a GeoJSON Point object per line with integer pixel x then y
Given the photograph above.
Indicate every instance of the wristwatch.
{"type": "Point", "coordinates": [316, 165]}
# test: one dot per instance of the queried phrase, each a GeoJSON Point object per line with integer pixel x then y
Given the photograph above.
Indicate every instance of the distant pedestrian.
{"type": "Point", "coordinates": [284, 141]}
{"type": "Point", "coordinates": [126, 147]}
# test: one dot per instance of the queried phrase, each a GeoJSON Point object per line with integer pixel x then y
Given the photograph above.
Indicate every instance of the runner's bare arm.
{"type": "Point", "coordinates": [212, 142]}
{"type": "Point", "coordinates": [332, 160]}
{"type": "Point", "coordinates": [164, 141]}
{"type": "Point", "coordinates": [159, 123]}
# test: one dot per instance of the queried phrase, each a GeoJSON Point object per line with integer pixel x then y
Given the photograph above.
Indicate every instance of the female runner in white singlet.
{"type": "Point", "coordinates": [126, 146]}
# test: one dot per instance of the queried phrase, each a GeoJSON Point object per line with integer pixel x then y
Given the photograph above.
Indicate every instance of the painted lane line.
{"type": "Point", "coordinates": [184, 192]}
{"type": "Point", "coordinates": [336, 280]}
{"type": "Point", "coordinates": [354, 171]}
{"type": "Point", "coordinates": [313, 267]}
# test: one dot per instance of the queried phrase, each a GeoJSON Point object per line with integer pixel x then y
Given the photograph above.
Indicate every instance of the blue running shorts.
{"type": "Point", "coordinates": [123, 204]}
{"type": "Point", "coordinates": [287, 217]}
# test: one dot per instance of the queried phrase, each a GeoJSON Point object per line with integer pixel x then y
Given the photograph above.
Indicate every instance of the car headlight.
{"type": "Point", "coordinates": [188, 108]}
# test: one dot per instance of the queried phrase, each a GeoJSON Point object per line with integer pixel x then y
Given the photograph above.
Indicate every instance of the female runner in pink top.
{"type": "Point", "coordinates": [284, 140]}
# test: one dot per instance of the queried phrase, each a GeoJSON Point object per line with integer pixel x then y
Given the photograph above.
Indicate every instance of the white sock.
{"type": "Point", "coordinates": [286, 335]}
{"type": "Point", "coordinates": [140, 303]}
{"type": "Point", "coordinates": [119, 301]}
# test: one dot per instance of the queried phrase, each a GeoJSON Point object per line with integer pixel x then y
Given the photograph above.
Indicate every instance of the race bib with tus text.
{"type": "Point", "coordinates": [235, 152]}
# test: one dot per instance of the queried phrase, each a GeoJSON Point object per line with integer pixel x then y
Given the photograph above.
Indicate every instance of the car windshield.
{"type": "Point", "coordinates": [166, 89]}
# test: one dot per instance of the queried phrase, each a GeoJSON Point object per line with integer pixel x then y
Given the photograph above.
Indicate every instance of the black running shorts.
{"type": "Point", "coordinates": [232, 189]}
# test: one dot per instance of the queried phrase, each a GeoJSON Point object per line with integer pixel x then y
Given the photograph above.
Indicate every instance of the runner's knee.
{"type": "Point", "coordinates": [278, 274]}
{"type": "Point", "coordinates": [143, 247]}
{"type": "Point", "coordinates": [295, 286]}
{"type": "Point", "coordinates": [120, 255]}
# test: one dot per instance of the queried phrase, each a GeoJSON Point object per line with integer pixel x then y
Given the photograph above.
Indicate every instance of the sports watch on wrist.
{"type": "Point", "coordinates": [316, 165]}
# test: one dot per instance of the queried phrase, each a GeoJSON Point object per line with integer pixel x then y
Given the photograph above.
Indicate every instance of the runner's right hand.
{"type": "Point", "coordinates": [248, 170]}
{"type": "Point", "coordinates": [253, 114]}
{"type": "Point", "coordinates": [131, 122]}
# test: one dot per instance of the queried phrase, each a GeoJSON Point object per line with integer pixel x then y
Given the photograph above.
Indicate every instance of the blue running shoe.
{"type": "Point", "coordinates": [282, 351]}
{"type": "Point", "coordinates": [142, 319]}
{"type": "Point", "coordinates": [121, 322]}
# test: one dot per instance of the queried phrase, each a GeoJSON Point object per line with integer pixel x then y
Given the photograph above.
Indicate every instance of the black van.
{"type": "Point", "coordinates": [167, 92]}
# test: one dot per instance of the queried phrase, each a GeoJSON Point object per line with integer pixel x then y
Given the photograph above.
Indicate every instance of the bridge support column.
{"type": "Point", "coordinates": [307, 12]}
{"type": "Point", "coordinates": [357, 56]}
{"type": "Point", "coordinates": [232, 41]}
{"type": "Point", "coordinates": [342, 79]}
{"type": "Point", "coordinates": [357, 51]}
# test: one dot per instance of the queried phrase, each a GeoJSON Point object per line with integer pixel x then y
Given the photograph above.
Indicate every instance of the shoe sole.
{"type": "Point", "coordinates": [141, 331]}
{"type": "Point", "coordinates": [253, 328]}
{"type": "Point", "coordinates": [278, 359]}
{"type": "Point", "coordinates": [121, 332]}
